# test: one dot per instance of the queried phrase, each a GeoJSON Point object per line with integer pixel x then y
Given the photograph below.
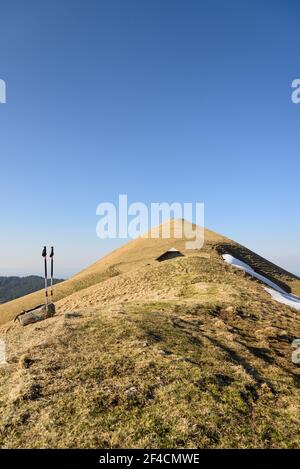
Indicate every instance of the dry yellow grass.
{"type": "Point", "coordinates": [186, 353]}
{"type": "Point", "coordinates": [141, 252]}
{"type": "Point", "coordinates": [203, 361]}
{"type": "Point", "coordinates": [131, 256]}
{"type": "Point", "coordinates": [168, 281]}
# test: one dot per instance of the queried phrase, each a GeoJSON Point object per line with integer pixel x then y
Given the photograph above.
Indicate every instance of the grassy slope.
{"type": "Point", "coordinates": [138, 253]}
{"type": "Point", "coordinates": [132, 255]}
{"type": "Point", "coordinates": [200, 358]}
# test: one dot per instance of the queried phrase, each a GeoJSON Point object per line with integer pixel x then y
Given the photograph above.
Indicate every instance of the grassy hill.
{"type": "Point", "coordinates": [141, 252]}
{"type": "Point", "coordinates": [190, 352]}
{"type": "Point", "coordinates": [15, 287]}
{"type": "Point", "coordinates": [131, 256]}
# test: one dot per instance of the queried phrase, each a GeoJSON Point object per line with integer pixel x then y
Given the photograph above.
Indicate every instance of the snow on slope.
{"type": "Point", "coordinates": [277, 293]}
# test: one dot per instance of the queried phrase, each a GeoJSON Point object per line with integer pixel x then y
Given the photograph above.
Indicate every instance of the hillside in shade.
{"type": "Point", "coordinates": [15, 287]}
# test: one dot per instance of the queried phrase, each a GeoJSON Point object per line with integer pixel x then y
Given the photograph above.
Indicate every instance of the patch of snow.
{"type": "Point", "coordinates": [277, 293]}
{"type": "Point", "coordinates": [286, 298]}
{"type": "Point", "coordinates": [246, 268]}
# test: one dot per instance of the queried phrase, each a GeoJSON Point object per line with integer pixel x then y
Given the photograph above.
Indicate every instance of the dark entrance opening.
{"type": "Point", "coordinates": [170, 254]}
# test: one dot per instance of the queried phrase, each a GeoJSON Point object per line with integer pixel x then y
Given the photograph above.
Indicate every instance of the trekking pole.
{"type": "Point", "coordinates": [44, 254]}
{"type": "Point", "coordinates": [51, 257]}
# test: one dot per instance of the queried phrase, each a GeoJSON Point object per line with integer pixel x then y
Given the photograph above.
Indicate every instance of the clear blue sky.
{"type": "Point", "coordinates": [164, 100]}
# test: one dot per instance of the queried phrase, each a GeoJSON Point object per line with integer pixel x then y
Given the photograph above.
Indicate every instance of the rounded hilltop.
{"type": "Point", "coordinates": [144, 251]}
